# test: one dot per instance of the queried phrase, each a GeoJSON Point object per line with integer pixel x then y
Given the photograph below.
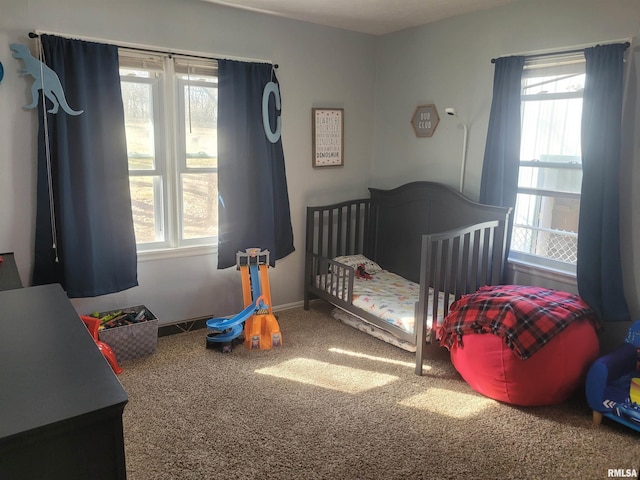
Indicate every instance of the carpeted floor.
{"type": "Point", "coordinates": [334, 403]}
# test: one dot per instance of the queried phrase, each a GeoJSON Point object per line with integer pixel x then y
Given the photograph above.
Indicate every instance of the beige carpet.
{"type": "Point", "coordinates": [334, 403]}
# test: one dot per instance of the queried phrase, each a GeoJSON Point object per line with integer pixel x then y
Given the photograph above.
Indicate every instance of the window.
{"type": "Point", "coordinates": [545, 230]}
{"type": "Point", "coordinates": [171, 108]}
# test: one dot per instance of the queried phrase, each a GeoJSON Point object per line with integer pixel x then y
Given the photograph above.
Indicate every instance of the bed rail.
{"type": "Point", "coordinates": [334, 230]}
{"type": "Point", "coordinates": [456, 263]}
{"type": "Point", "coordinates": [332, 281]}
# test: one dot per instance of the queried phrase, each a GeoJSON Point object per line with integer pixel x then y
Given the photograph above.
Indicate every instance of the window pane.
{"type": "Point", "coordinates": [171, 129]}
{"type": "Point", "coordinates": [134, 72]}
{"type": "Point", "coordinates": [556, 179]}
{"type": "Point", "coordinates": [201, 121]}
{"type": "Point", "coordinates": [551, 127]}
{"type": "Point", "coordinates": [146, 206]}
{"type": "Point", "coordinates": [569, 83]}
{"type": "Point", "coordinates": [199, 205]}
{"type": "Point", "coordinates": [137, 99]}
{"type": "Point", "coordinates": [546, 226]}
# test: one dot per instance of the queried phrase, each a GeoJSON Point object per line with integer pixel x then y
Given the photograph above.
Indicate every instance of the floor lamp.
{"type": "Point", "coordinates": [452, 112]}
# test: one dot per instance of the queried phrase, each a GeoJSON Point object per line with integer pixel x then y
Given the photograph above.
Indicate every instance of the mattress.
{"type": "Point", "coordinates": [387, 296]}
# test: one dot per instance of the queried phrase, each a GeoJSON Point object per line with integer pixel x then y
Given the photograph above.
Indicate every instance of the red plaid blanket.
{"type": "Point", "coordinates": [526, 318]}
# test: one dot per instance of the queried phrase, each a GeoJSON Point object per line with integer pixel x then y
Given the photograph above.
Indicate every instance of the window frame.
{"type": "Point", "coordinates": [158, 173]}
{"type": "Point", "coordinates": [170, 161]}
{"type": "Point", "coordinates": [182, 167]}
{"type": "Point", "coordinates": [572, 65]}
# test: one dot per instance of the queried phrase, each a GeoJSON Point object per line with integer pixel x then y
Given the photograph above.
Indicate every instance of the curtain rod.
{"type": "Point", "coordinates": [163, 52]}
{"type": "Point", "coordinates": [563, 52]}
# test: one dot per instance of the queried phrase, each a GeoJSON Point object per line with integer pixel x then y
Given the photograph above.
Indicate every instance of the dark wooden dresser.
{"type": "Point", "coordinates": [9, 276]}
{"type": "Point", "coordinates": [60, 403]}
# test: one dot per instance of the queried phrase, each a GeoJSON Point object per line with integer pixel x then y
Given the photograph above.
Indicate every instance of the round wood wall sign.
{"type": "Point", "coordinates": [425, 120]}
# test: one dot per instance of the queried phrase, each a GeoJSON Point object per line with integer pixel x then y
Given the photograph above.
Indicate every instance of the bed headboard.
{"type": "Point", "coordinates": [400, 216]}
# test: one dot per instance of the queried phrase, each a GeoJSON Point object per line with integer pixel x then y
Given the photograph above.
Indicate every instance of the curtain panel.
{"type": "Point", "coordinates": [253, 196]}
{"type": "Point", "coordinates": [501, 164]}
{"type": "Point", "coordinates": [599, 269]}
{"type": "Point", "coordinates": [499, 182]}
{"type": "Point", "coordinates": [84, 238]}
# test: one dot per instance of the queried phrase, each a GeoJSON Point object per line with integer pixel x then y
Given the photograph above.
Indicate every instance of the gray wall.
{"type": "Point", "coordinates": [448, 63]}
{"type": "Point", "coordinates": [318, 67]}
{"type": "Point", "coordinates": [378, 80]}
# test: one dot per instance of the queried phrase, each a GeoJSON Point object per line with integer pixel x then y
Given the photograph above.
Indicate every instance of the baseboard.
{"type": "Point", "coordinates": [288, 306]}
{"type": "Point", "coordinates": [182, 327]}
{"type": "Point", "coordinates": [199, 323]}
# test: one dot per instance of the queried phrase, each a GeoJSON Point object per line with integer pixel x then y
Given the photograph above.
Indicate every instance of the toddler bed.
{"type": "Point", "coordinates": [419, 238]}
{"type": "Point", "coordinates": [383, 294]}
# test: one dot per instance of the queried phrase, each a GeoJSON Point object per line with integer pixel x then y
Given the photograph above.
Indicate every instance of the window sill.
{"type": "Point", "coordinates": [166, 253]}
{"type": "Point", "coordinates": [546, 272]}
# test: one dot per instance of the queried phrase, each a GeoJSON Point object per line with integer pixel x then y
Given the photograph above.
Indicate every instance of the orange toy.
{"type": "Point", "coordinates": [92, 325]}
{"type": "Point", "coordinates": [261, 329]}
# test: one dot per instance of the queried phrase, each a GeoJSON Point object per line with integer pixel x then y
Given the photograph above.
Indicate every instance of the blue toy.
{"type": "Point", "coordinates": [613, 383]}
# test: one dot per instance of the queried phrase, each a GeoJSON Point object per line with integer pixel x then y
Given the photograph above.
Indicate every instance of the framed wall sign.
{"type": "Point", "coordinates": [425, 120]}
{"type": "Point", "coordinates": [327, 137]}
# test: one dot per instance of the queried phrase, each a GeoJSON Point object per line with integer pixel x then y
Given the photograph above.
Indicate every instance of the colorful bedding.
{"type": "Point", "coordinates": [387, 296]}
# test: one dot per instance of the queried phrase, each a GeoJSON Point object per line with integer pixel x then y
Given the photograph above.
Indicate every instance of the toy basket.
{"type": "Point", "coordinates": [135, 340]}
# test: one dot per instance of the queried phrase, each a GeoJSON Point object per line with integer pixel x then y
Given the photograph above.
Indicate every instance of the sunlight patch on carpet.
{"type": "Point", "coordinates": [328, 375]}
{"type": "Point", "coordinates": [448, 403]}
{"type": "Point", "coordinates": [377, 359]}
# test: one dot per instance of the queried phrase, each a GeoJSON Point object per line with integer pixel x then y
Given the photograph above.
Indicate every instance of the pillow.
{"type": "Point", "coordinates": [355, 261]}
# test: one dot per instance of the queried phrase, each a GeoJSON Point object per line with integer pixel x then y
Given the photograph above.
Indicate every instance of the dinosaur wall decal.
{"type": "Point", "coordinates": [45, 79]}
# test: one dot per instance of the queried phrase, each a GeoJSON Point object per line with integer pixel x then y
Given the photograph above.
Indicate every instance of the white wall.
{"type": "Point", "coordinates": [448, 63]}
{"type": "Point", "coordinates": [318, 67]}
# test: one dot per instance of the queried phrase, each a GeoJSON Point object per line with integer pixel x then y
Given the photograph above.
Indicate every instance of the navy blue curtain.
{"type": "Point", "coordinates": [85, 239]}
{"type": "Point", "coordinates": [253, 197]}
{"type": "Point", "coordinates": [499, 183]}
{"type": "Point", "coordinates": [599, 270]}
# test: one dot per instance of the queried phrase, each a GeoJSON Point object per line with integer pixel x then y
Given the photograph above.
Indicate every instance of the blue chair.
{"type": "Point", "coordinates": [608, 383]}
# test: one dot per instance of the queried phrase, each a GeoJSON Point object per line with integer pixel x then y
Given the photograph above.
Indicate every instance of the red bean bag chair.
{"type": "Point", "coordinates": [521, 345]}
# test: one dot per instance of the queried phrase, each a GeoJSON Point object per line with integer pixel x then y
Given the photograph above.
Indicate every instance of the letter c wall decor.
{"type": "Point", "coordinates": [270, 88]}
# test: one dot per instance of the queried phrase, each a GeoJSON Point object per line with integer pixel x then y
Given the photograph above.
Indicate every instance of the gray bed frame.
{"type": "Point", "coordinates": [424, 231]}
